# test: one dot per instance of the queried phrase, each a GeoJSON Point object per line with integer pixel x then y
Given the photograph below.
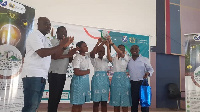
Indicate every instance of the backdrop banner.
{"type": "Point", "coordinates": [192, 72]}
{"type": "Point", "coordinates": [16, 22]}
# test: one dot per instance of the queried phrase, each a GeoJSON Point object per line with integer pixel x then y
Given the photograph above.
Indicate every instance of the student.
{"type": "Point", "coordinates": [100, 81]}
{"type": "Point", "coordinates": [120, 94]}
{"type": "Point", "coordinates": [79, 87]}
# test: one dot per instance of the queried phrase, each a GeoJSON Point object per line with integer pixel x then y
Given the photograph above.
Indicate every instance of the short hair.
{"type": "Point", "coordinates": [121, 45]}
{"type": "Point", "coordinates": [79, 44]}
{"type": "Point", "coordinates": [135, 45]}
{"type": "Point", "coordinates": [60, 27]}
{"type": "Point", "coordinates": [41, 19]}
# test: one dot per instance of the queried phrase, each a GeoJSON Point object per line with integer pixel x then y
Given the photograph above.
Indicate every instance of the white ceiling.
{"type": "Point", "coordinates": [134, 16]}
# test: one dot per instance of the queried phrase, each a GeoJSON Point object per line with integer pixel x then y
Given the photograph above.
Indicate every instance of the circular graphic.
{"type": "Point", "coordinates": [9, 34]}
{"type": "Point", "coordinates": [195, 76]}
{"type": "Point", "coordinates": [10, 61]}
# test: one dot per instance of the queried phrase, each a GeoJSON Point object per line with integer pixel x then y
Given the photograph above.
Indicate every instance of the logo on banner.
{"type": "Point", "coordinates": [3, 3]}
{"type": "Point", "coordinates": [132, 40]}
{"type": "Point", "coordinates": [12, 5]}
{"type": "Point", "coordinates": [124, 39]}
{"type": "Point", "coordinates": [10, 61]}
{"type": "Point", "coordinates": [196, 37]}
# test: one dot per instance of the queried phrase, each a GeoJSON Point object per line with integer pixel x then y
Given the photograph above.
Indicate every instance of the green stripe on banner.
{"type": "Point", "coordinates": [131, 39]}
{"type": "Point", "coordinates": [65, 95]}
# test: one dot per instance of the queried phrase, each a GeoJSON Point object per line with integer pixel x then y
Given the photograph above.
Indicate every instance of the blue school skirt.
{"type": "Point", "coordinates": [100, 86]}
{"type": "Point", "coordinates": [79, 90]}
{"type": "Point", "coordinates": [120, 90]}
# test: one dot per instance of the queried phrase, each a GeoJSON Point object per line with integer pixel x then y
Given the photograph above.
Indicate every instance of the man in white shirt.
{"type": "Point", "coordinates": [58, 70]}
{"type": "Point", "coordinates": [37, 62]}
{"type": "Point", "coordinates": [139, 67]}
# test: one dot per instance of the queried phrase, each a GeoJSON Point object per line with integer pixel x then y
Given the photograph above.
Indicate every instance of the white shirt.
{"type": "Point", "coordinates": [59, 66]}
{"type": "Point", "coordinates": [139, 67]}
{"type": "Point", "coordinates": [120, 65]}
{"type": "Point", "coordinates": [81, 62]}
{"type": "Point", "coordinates": [100, 65]}
{"type": "Point", "coordinates": [34, 65]}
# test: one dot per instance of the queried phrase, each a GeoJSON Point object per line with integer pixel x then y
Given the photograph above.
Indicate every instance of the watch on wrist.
{"type": "Point", "coordinates": [112, 44]}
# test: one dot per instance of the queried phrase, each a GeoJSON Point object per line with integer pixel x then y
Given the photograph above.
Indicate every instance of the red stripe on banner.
{"type": "Point", "coordinates": [168, 38]}
{"type": "Point", "coordinates": [90, 34]}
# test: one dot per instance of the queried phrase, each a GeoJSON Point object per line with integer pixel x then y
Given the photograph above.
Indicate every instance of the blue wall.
{"type": "Point", "coordinates": [167, 71]}
{"type": "Point", "coordinates": [175, 27]}
{"type": "Point", "coordinates": [160, 27]}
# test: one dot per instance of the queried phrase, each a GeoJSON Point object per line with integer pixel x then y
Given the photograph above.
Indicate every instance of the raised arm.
{"type": "Point", "coordinates": [95, 49]}
{"type": "Point", "coordinates": [119, 52]}
{"type": "Point", "coordinates": [69, 55]}
{"type": "Point", "coordinates": [55, 51]}
{"type": "Point", "coordinates": [108, 52]}
{"type": "Point", "coordinates": [59, 53]}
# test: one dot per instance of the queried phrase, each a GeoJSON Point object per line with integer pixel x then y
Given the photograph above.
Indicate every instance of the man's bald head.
{"type": "Point", "coordinates": [44, 25]}
{"type": "Point", "coordinates": [135, 50]}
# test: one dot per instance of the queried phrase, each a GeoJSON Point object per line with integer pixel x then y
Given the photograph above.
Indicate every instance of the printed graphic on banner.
{"type": "Point", "coordinates": [196, 37]}
{"type": "Point", "coordinates": [192, 72]}
{"type": "Point", "coordinates": [3, 3]}
{"type": "Point", "coordinates": [122, 38]}
{"type": "Point", "coordinates": [10, 61]}
{"type": "Point", "coordinates": [16, 22]}
{"type": "Point", "coordinates": [14, 27]}
{"type": "Point", "coordinates": [197, 75]}
{"type": "Point", "coordinates": [65, 95]}
{"type": "Point", "coordinates": [12, 5]}
{"type": "Point", "coordinates": [131, 39]}
{"type": "Point", "coordinates": [13, 37]}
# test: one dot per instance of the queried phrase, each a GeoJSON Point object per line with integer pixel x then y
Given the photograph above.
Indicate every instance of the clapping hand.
{"type": "Point", "coordinates": [72, 51]}
{"type": "Point", "coordinates": [70, 40]}
{"type": "Point", "coordinates": [66, 41]}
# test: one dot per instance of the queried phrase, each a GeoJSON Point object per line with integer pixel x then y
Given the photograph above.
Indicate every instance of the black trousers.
{"type": "Point", "coordinates": [56, 85]}
{"type": "Point", "coordinates": [135, 88]}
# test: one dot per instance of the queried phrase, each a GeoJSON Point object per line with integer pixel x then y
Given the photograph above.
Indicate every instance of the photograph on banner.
{"type": "Point", "coordinates": [90, 36]}
{"type": "Point", "coordinates": [192, 72]}
{"type": "Point", "coordinates": [16, 23]}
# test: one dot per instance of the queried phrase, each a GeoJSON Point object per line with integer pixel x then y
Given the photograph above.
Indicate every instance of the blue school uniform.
{"type": "Point", "coordinates": [80, 87]}
{"type": "Point", "coordinates": [100, 81]}
{"type": "Point", "coordinates": [120, 90]}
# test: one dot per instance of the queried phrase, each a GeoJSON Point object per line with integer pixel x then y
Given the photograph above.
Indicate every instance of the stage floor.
{"type": "Point", "coordinates": [88, 108]}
